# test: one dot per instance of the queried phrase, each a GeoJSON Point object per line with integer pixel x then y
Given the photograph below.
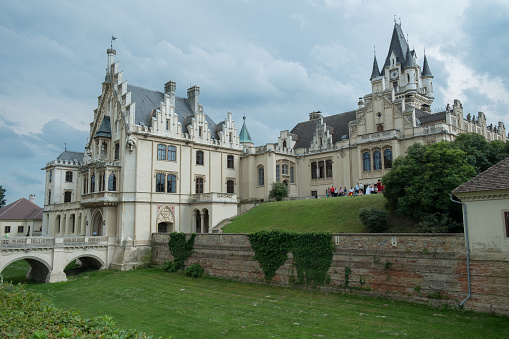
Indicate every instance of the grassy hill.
{"type": "Point", "coordinates": [337, 215]}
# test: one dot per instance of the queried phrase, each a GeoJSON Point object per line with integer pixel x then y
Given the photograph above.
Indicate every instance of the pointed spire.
{"type": "Point", "coordinates": [376, 72]}
{"type": "Point", "coordinates": [244, 134]}
{"type": "Point", "coordinates": [398, 45]}
{"type": "Point", "coordinates": [409, 59]}
{"type": "Point", "coordinates": [426, 72]}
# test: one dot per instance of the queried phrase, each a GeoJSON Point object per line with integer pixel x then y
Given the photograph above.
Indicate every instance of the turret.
{"type": "Point", "coordinates": [427, 78]}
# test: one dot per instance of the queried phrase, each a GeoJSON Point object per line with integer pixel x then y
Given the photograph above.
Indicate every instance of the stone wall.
{"type": "Point", "coordinates": [424, 268]}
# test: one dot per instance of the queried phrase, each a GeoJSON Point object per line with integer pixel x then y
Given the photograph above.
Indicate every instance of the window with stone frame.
{"type": "Point", "coordinates": [172, 153]}
{"type": "Point", "coordinates": [117, 151]}
{"type": "Point", "coordinates": [229, 162]}
{"type": "Point", "coordinates": [49, 197]}
{"type": "Point", "coordinates": [328, 168]}
{"type": "Point", "coordinates": [377, 160]}
{"type": "Point", "coordinates": [261, 176]}
{"type": "Point", "coordinates": [366, 161]}
{"type": "Point", "coordinates": [284, 169]}
{"type": "Point", "coordinates": [85, 186]}
{"type": "Point", "coordinates": [321, 169]}
{"type": "Point", "coordinates": [388, 158]}
{"type": "Point", "coordinates": [161, 152]}
{"type": "Point", "coordinates": [102, 182]}
{"type": "Point", "coordinates": [92, 183]}
{"type": "Point", "coordinates": [506, 219]}
{"type": "Point", "coordinates": [277, 173]}
{"type": "Point", "coordinates": [68, 176]}
{"type": "Point", "coordinates": [199, 157]}
{"type": "Point", "coordinates": [67, 196]}
{"type": "Point", "coordinates": [230, 186]}
{"type": "Point", "coordinates": [160, 182]}
{"type": "Point", "coordinates": [112, 182]}
{"type": "Point", "coordinates": [50, 174]}
{"type": "Point", "coordinates": [21, 229]}
{"type": "Point", "coordinates": [172, 183]}
{"type": "Point", "coordinates": [7, 229]}
{"type": "Point", "coordinates": [199, 184]}
{"type": "Point", "coordinates": [313, 170]}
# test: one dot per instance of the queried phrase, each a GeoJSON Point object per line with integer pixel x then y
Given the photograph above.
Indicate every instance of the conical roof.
{"type": "Point", "coordinates": [376, 72]}
{"type": "Point", "coordinates": [398, 45]}
{"type": "Point", "coordinates": [244, 133]}
{"type": "Point", "coordinates": [425, 68]}
{"type": "Point", "coordinates": [409, 59]}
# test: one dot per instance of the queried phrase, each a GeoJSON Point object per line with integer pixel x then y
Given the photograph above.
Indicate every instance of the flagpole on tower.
{"type": "Point", "coordinates": [112, 39]}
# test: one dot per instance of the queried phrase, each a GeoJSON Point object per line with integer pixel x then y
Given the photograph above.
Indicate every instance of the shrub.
{"type": "Point", "coordinates": [180, 248]}
{"type": "Point", "coordinates": [439, 223]}
{"type": "Point", "coordinates": [194, 271]}
{"type": "Point", "coordinates": [279, 191]}
{"type": "Point", "coordinates": [170, 266]}
{"type": "Point", "coordinates": [373, 219]}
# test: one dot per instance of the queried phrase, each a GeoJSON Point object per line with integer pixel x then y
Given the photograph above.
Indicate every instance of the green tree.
{"type": "Point", "coordinates": [278, 191]}
{"type": "Point", "coordinates": [480, 153]}
{"type": "Point", "coordinates": [420, 182]}
{"type": "Point", "coordinates": [2, 196]}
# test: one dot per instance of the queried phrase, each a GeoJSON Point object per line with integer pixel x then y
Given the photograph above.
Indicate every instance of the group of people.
{"type": "Point", "coordinates": [359, 189]}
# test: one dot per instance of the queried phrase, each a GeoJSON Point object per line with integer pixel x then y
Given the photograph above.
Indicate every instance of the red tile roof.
{"type": "Point", "coordinates": [21, 209]}
{"type": "Point", "coordinates": [494, 178]}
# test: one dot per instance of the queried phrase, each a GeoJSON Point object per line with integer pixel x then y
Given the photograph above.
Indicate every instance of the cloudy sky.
{"type": "Point", "coordinates": [274, 61]}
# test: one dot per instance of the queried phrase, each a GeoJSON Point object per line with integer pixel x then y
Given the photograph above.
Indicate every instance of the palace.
{"type": "Point", "coordinates": [156, 163]}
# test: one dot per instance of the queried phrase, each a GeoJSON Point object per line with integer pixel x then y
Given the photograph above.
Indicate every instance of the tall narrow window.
{"type": "Point", "coordinates": [68, 176]}
{"type": "Point", "coordinates": [160, 182]}
{"type": "Point", "coordinates": [284, 169]}
{"type": "Point", "coordinates": [388, 158]}
{"type": "Point", "coordinates": [161, 152]}
{"type": "Point", "coordinates": [112, 182]}
{"type": "Point", "coordinates": [328, 168]}
{"type": "Point", "coordinates": [321, 169]}
{"type": "Point", "coordinates": [292, 175]}
{"type": "Point", "coordinates": [102, 186]}
{"type": "Point", "coordinates": [199, 157]}
{"type": "Point", "coordinates": [230, 186]}
{"type": "Point", "coordinates": [199, 185]}
{"type": "Point", "coordinates": [67, 196]}
{"type": "Point", "coordinates": [313, 170]}
{"type": "Point", "coordinates": [172, 183]}
{"type": "Point", "coordinates": [229, 161]}
{"type": "Point", "coordinates": [172, 153]}
{"type": "Point", "coordinates": [199, 131]}
{"type": "Point", "coordinates": [92, 183]}
{"type": "Point", "coordinates": [377, 160]}
{"type": "Point", "coordinates": [50, 176]}
{"type": "Point", "coordinates": [49, 197]}
{"type": "Point", "coordinates": [366, 161]}
{"type": "Point", "coordinates": [277, 173]}
{"type": "Point", "coordinates": [261, 176]}
{"type": "Point", "coordinates": [284, 143]}
{"type": "Point", "coordinates": [117, 151]}
{"type": "Point", "coordinates": [85, 186]}
{"type": "Point", "coordinates": [506, 219]}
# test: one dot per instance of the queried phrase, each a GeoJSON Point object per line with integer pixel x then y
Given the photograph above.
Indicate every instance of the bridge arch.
{"type": "Point", "coordinates": [87, 260]}
{"type": "Point", "coordinates": [39, 270]}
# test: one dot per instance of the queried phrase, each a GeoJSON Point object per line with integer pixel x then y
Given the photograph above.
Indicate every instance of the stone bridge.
{"type": "Point", "coordinates": [49, 256]}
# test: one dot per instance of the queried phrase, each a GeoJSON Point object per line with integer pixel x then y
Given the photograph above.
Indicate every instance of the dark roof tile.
{"type": "Point", "coordinates": [494, 178]}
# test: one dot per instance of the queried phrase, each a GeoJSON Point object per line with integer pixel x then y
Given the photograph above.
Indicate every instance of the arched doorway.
{"type": "Point", "coordinates": [205, 217]}
{"type": "Point", "coordinates": [97, 223]}
{"type": "Point", "coordinates": [165, 220]}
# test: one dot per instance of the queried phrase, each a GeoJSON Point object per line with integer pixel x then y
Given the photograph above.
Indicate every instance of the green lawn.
{"type": "Point", "coordinates": [169, 304]}
{"type": "Point", "coordinates": [336, 215]}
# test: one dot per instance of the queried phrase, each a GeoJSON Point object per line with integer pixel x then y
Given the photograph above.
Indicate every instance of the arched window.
{"type": "Point", "coordinates": [161, 152]}
{"type": "Point", "coordinates": [199, 185]}
{"type": "Point", "coordinates": [172, 153]}
{"type": "Point", "coordinates": [172, 183]}
{"type": "Point", "coordinates": [261, 176]}
{"type": "Point", "coordinates": [92, 183]}
{"type": "Point", "coordinates": [380, 127]}
{"type": "Point", "coordinates": [112, 182]}
{"type": "Point", "coordinates": [366, 161]}
{"type": "Point", "coordinates": [388, 158]}
{"type": "Point", "coordinates": [284, 143]}
{"type": "Point", "coordinates": [230, 186]}
{"type": "Point", "coordinates": [199, 157]}
{"type": "Point", "coordinates": [377, 160]}
{"type": "Point", "coordinates": [277, 173]}
{"type": "Point", "coordinates": [160, 182]}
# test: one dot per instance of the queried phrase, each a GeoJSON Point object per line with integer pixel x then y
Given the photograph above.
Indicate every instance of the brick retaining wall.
{"type": "Point", "coordinates": [420, 265]}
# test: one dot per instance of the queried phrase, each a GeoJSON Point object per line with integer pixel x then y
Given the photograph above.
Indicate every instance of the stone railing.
{"type": "Point", "coordinates": [213, 197]}
{"type": "Point", "coordinates": [49, 242]}
{"type": "Point", "coordinates": [100, 197]}
{"type": "Point", "coordinates": [389, 134]}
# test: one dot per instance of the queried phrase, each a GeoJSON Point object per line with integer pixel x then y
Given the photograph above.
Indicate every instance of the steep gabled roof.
{"type": "Point", "coordinates": [146, 100]}
{"type": "Point", "coordinates": [104, 130]}
{"type": "Point", "coordinates": [398, 45]}
{"type": "Point", "coordinates": [21, 209]}
{"type": "Point", "coordinates": [337, 123]}
{"type": "Point", "coordinates": [493, 179]}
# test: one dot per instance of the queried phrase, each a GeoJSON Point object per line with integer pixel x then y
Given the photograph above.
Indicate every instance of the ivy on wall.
{"type": "Point", "coordinates": [180, 248]}
{"type": "Point", "coordinates": [312, 254]}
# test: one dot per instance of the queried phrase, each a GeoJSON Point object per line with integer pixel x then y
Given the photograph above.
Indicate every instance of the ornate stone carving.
{"type": "Point", "coordinates": [166, 214]}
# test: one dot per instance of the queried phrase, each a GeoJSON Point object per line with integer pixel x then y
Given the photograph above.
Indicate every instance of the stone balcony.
{"type": "Point", "coordinates": [213, 197]}
{"type": "Point", "coordinates": [377, 136]}
{"type": "Point", "coordinates": [100, 199]}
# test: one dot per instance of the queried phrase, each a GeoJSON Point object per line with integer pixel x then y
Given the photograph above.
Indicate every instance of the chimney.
{"type": "Point", "coordinates": [360, 103]}
{"type": "Point", "coordinates": [169, 89]}
{"type": "Point", "coordinates": [31, 198]}
{"type": "Point", "coordinates": [193, 96]}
